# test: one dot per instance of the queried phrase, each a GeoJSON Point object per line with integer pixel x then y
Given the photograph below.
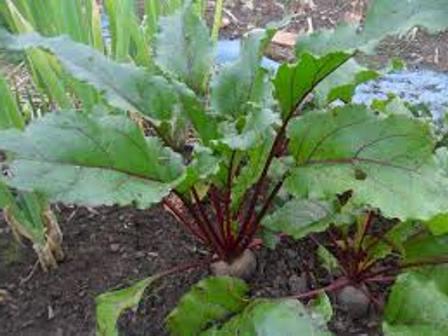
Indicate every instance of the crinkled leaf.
{"type": "Point", "coordinates": [274, 318]}
{"type": "Point", "coordinates": [393, 105]}
{"type": "Point", "coordinates": [346, 92]}
{"type": "Point", "coordinates": [203, 165]}
{"type": "Point", "coordinates": [203, 123]}
{"type": "Point", "coordinates": [426, 246]}
{"type": "Point", "coordinates": [110, 305]}
{"type": "Point", "coordinates": [210, 300]}
{"type": "Point", "coordinates": [293, 82]}
{"type": "Point", "coordinates": [184, 48]}
{"type": "Point", "coordinates": [239, 85]}
{"type": "Point", "coordinates": [384, 17]}
{"type": "Point", "coordinates": [125, 86]}
{"type": "Point", "coordinates": [251, 171]}
{"type": "Point", "coordinates": [418, 304]}
{"type": "Point", "coordinates": [327, 259]}
{"type": "Point", "coordinates": [393, 241]}
{"type": "Point", "coordinates": [241, 96]}
{"type": "Point", "coordinates": [340, 83]}
{"type": "Point", "coordinates": [75, 158]}
{"type": "Point", "coordinates": [300, 217]}
{"type": "Point", "coordinates": [256, 130]}
{"type": "Point", "coordinates": [387, 162]}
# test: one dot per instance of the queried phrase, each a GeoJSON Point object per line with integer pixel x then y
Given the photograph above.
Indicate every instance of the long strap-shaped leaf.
{"type": "Point", "coordinates": [76, 158]}
{"type": "Point", "coordinates": [125, 86]}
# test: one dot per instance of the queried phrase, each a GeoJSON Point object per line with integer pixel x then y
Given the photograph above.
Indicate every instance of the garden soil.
{"type": "Point", "coordinates": [111, 248]}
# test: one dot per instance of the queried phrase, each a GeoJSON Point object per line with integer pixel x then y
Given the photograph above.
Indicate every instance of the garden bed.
{"type": "Point", "coordinates": [109, 248]}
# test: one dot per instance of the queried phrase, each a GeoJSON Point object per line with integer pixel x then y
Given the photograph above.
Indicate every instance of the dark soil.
{"type": "Point", "coordinates": [419, 50]}
{"type": "Point", "coordinates": [106, 249]}
{"type": "Point", "coordinates": [110, 248]}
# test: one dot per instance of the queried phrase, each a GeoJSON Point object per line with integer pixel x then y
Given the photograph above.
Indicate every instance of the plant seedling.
{"type": "Point", "coordinates": [375, 252]}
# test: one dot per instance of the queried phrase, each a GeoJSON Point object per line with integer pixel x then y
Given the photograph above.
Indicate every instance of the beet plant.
{"type": "Point", "coordinates": [221, 148]}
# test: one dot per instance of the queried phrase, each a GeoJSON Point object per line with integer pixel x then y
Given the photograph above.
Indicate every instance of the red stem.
{"type": "Point", "coordinates": [277, 141]}
{"type": "Point", "coordinates": [381, 278]}
{"type": "Point", "coordinates": [228, 229]}
{"type": "Point", "coordinates": [253, 228]}
{"type": "Point", "coordinates": [184, 221]}
{"type": "Point", "coordinates": [203, 227]}
{"type": "Point", "coordinates": [397, 268]}
{"type": "Point", "coordinates": [258, 185]}
{"type": "Point", "coordinates": [334, 286]}
{"type": "Point", "coordinates": [219, 241]}
{"type": "Point", "coordinates": [216, 202]}
{"type": "Point", "coordinates": [186, 267]}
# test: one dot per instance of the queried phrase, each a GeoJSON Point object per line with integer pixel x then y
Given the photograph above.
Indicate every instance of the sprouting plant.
{"type": "Point", "coordinates": [254, 137]}
{"type": "Point", "coordinates": [375, 251]}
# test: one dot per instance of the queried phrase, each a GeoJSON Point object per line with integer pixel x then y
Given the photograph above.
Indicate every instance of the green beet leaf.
{"type": "Point", "coordinates": [438, 224]}
{"type": "Point", "coordinates": [257, 129]}
{"type": "Point", "coordinates": [265, 317]}
{"type": "Point", "coordinates": [184, 48]}
{"type": "Point", "coordinates": [418, 304]}
{"type": "Point", "coordinates": [300, 217]}
{"type": "Point", "coordinates": [383, 18]}
{"type": "Point", "coordinates": [425, 247]}
{"type": "Point", "coordinates": [394, 241]}
{"type": "Point", "coordinates": [110, 305]}
{"type": "Point", "coordinates": [209, 301]}
{"type": "Point", "coordinates": [92, 160]}
{"type": "Point", "coordinates": [202, 166]}
{"type": "Point", "coordinates": [387, 161]}
{"type": "Point", "coordinates": [327, 259]}
{"type": "Point", "coordinates": [346, 92]}
{"type": "Point", "coordinates": [293, 82]}
{"type": "Point", "coordinates": [251, 171]}
{"type": "Point", "coordinates": [240, 84]}
{"type": "Point", "coordinates": [321, 306]}
{"type": "Point", "coordinates": [192, 108]}
{"type": "Point", "coordinates": [342, 83]}
{"type": "Point", "coordinates": [241, 96]}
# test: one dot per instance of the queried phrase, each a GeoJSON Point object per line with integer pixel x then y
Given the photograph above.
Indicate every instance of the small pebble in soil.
{"type": "Point", "coordinates": [354, 301]}
{"type": "Point", "coordinates": [243, 267]}
{"type": "Point", "coordinates": [297, 284]}
{"type": "Point", "coordinates": [114, 247]}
